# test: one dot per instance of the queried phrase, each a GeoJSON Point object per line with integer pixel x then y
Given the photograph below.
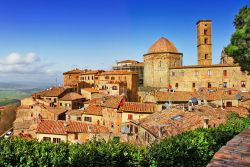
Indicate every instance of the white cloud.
{"type": "Point", "coordinates": [15, 63]}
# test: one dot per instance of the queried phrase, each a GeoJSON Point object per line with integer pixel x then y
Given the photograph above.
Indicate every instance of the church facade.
{"type": "Point", "coordinates": [163, 66]}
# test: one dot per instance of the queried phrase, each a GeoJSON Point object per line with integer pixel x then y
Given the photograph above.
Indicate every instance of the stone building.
{"type": "Point", "coordinates": [131, 65]}
{"type": "Point", "coordinates": [129, 78]}
{"type": "Point", "coordinates": [160, 57]}
{"type": "Point", "coordinates": [164, 69]}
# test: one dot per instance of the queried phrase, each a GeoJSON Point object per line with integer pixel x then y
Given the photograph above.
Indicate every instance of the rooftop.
{"type": "Point", "coordinates": [162, 45]}
{"type": "Point", "coordinates": [71, 96]}
{"type": "Point", "coordinates": [112, 102]}
{"type": "Point", "coordinates": [73, 71]}
{"type": "Point", "coordinates": [92, 90]}
{"type": "Point", "coordinates": [119, 72]}
{"type": "Point", "coordinates": [234, 153]}
{"type": "Point", "coordinates": [138, 107]}
{"type": "Point", "coordinates": [52, 92]}
{"type": "Point", "coordinates": [64, 127]}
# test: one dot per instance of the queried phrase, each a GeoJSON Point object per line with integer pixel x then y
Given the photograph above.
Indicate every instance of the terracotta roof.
{"type": "Point", "coordinates": [93, 110]}
{"type": "Point", "coordinates": [175, 121]}
{"type": "Point", "coordinates": [184, 96]}
{"type": "Point", "coordinates": [112, 102]}
{"type": "Point", "coordinates": [205, 66]}
{"type": "Point", "coordinates": [94, 101]}
{"type": "Point", "coordinates": [71, 96]}
{"type": "Point", "coordinates": [63, 127]}
{"type": "Point", "coordinates": [119, 72]}
{"type": "Point", "coordinates": [173, 96]}
{"type": "Point", "coordinates": [73, 71]}
{"type": "Point", "coordinates": [162, 45]}
{"type": "Point", "coordinates": [91, 72]}
{"type": "Point", "coordinates": [53, 92]}
{"type": "Point", "coordinates": [55, 110]}
{"type": "Point", "coordinates": [128, 61]}
{"type": "Point", "coordinates": [138, 107]}
{"type": "Point", "coordinates": [138, 64]}
{"type": "Point", "coordinates": [92, 90]}
{"type": "Point", "coordinates": [234, 153]}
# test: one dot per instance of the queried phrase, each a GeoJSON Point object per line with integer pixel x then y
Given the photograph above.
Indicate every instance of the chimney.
{"type": "Point", "coordinates": [205, 122]}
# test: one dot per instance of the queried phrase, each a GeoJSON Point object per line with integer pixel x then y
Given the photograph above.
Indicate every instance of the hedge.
{"type": "Point", "coordinates": [193, 148]}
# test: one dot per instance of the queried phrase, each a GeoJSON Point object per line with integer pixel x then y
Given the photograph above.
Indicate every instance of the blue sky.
{"type": "Point", "coordinates": [40, 39]}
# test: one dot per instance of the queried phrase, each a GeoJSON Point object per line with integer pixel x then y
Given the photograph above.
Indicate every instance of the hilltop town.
{"type": "Point", "coordinates": [139, 102]}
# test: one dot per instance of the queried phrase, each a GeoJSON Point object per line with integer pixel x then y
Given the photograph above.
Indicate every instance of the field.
{"type": "Point", "coordinates": [12, 96]}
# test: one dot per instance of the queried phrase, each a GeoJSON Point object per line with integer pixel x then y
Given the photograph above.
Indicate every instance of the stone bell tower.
{"type": "Point", "coordinates": [204, 42]}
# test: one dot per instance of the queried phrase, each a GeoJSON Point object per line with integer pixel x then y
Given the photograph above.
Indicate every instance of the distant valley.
{"type": "Point", "coordinates": [13, 92]}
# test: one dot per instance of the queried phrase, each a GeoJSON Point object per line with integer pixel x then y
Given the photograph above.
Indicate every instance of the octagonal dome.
{"type": "Point", "coordinates": [162, 45]}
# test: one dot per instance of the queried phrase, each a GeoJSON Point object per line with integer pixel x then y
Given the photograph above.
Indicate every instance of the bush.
{"type": "Point", "coordinates": [193, 148]}
{"type": "Point", "coordinates": [197, 147]}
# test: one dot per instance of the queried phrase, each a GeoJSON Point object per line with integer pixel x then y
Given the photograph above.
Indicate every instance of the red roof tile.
{"type": "Point", "coordinates": [52, 92]}
{"type": "Point", "coordinates": [138, 107]}
{"type": "Point", "coordinates": [235, 152]}
{"type": "Point", "coordinates": [93, 110]}
{"type": "Point", "coordinates": [63, 127]}
{"type": "Point", "coordinates": [71, 96]}
{"type": "Point", "coordinates": [112, 102]}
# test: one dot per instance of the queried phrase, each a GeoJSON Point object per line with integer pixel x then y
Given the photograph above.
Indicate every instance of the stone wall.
{"type": "Point", "coordinates": [156, 68]}
{"type": "Point", "coordinates": [189, 79]}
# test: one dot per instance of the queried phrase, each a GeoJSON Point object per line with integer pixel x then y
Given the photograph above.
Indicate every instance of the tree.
{"type": "Point", "coordinates": [239, 47]}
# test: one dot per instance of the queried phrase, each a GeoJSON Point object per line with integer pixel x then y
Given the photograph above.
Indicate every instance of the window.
{"type": "Point", "coordinates": [55, 100]}
{"type": "Point", "coordinates": [56, 140]}
{"type": "Point", "coordinates": [106, 77]}
{"type": "Point", "coordinates": [206, 55]}
{"type": "Point", "coordinates": [176, 117]}
{"type": "Point", "coordinates": [193, 85]}
{"type": "Point", "coordinates": [205, 31]}
{"type": "Point", "coordinates": [205, 41]}
{"type": "Point", "coordinates": [92, 77]}
{"type": "Point", "coordinates": [78, 118]}
{"type": "Point", "coordinates": [76, 136]}
{"type": "Point", "coordinates": [224, 84]}
{"type": "Point", "coordinates": [196, 73]}
{"type": "Point", "coordinates": [160, 64]}
{"type": "Point", "coordinates": [114, 88]}
{"type": "Point", "coordinates": [88, 77]}
{"type": "Point", "coordinates": [136, 129]}
{"type": "Point", "coordinates": [173, 73]}
{"type": "Point", "coordinates": [46, 138]}
{"type": "Point", "coordinates": [176, 85]}
{"type": "Point", "coordinates": [112, 78]}
{"type": "Point", "coordinates": [243, 84]}
{"type": "Point", "coordinates": [130, 116]}
{"type": "Point", "coordinates": [60, 104]}
{"type": "Point", "coordinates": [88, 119]}
{"type": "Point", "coordinates": [209, 72]}
{"type": "Point", "coordinates": [224, 73]}
{"type": "Point", "coordinates": [96, 78]}
{"type": "Point", "coordinates": [209, 85]}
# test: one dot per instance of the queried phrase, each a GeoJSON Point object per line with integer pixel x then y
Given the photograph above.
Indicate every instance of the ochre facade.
{"type": "Point", "coordinates": [204, 42]}
{"type": "Point", "coordinates": [161, 56]}
{"type": "Point", "coordinates": [163, 66]}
